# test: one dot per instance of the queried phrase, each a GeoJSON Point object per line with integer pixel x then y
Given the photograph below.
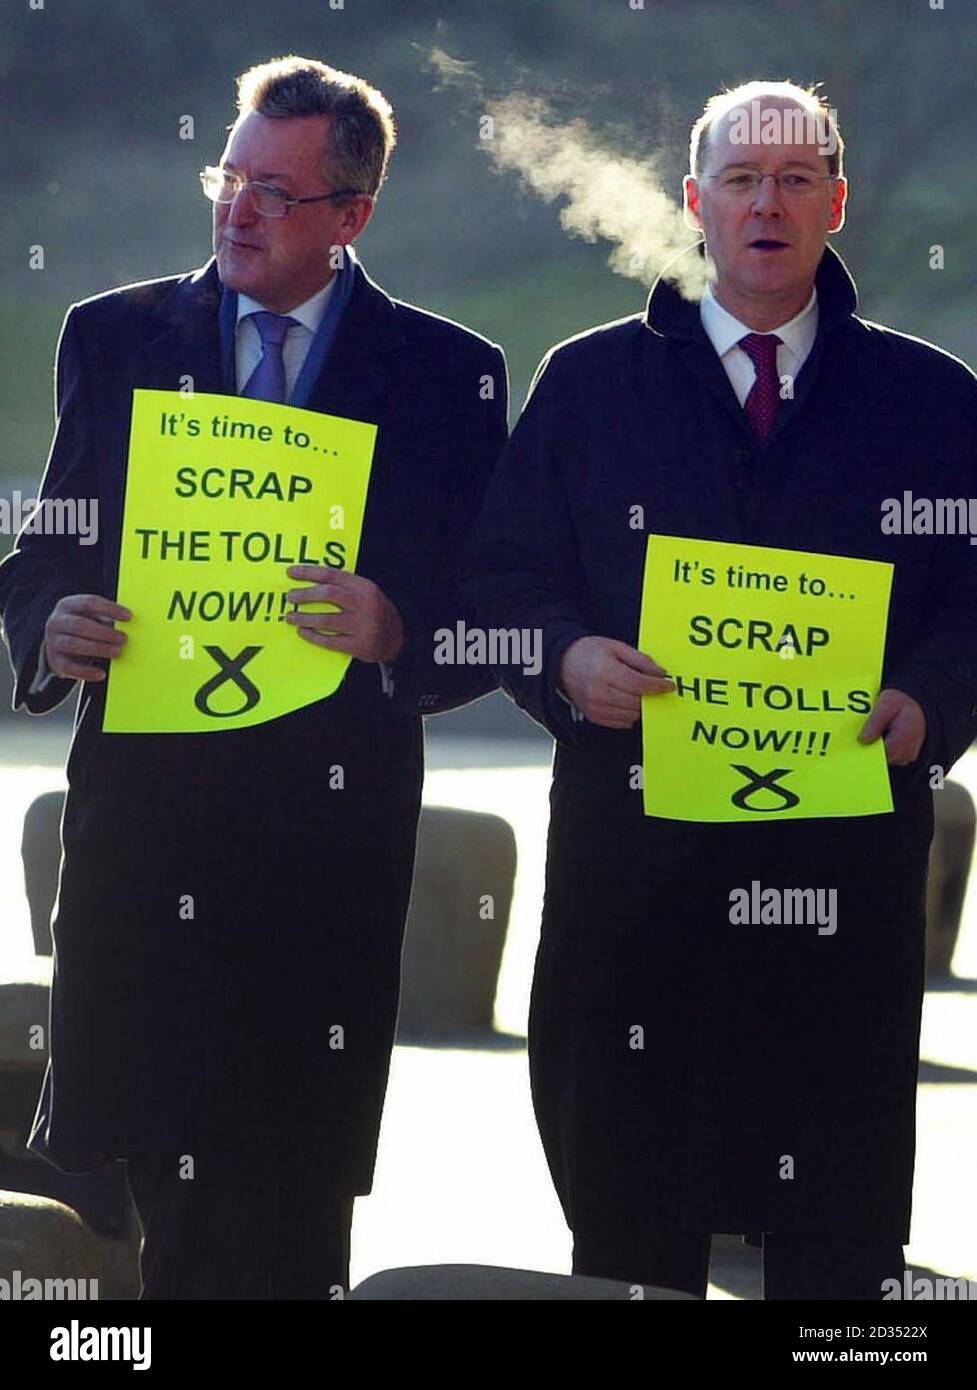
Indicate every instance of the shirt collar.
{"type": "Point", "coordinates": [724, 331]}
{"type": "Point", "coordinates": [309, 314]}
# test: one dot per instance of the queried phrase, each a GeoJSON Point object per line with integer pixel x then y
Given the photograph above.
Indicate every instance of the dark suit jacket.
{"type": "Point", "coordinates": [275, 1005]}
{"type": "Point", "coordinates": [759, 1041]}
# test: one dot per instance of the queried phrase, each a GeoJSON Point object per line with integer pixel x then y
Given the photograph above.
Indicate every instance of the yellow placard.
{"type": "Point", "coordinates": [222, 494]}
{"type": "Point", "coordinates": [777, 657]}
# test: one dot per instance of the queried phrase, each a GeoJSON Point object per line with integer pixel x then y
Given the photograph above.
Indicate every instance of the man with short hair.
{"type": "Point", "coordinates": [771, 1088]}
{"type": "Point", "coordinates": [238, 1060]}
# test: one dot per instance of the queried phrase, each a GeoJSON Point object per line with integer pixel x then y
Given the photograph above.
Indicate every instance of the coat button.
{"type": "Point", "coordinates": [741, 474]}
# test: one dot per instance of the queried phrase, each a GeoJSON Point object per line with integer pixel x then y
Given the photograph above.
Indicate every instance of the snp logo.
{"type": "Point", "coordinates": [77, 1343]}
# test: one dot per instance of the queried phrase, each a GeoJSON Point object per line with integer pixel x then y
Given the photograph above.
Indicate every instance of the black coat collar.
{"type": "Point", "coordinates": [186, 343]}
{"type": "Point", "coordinates": [672, 316]}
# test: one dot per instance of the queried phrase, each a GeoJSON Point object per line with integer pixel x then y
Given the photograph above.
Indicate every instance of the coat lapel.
{"type": "Point", "coordinates": [355, 380]}
{"type": "Point", "coordinates": [699, 356]}
{"type": "Point", "coordinates": [671, 316]}
{"type": "Point", "coordinates": [187, 344]}
{"type": "Point", "coordinates": [181, 349]}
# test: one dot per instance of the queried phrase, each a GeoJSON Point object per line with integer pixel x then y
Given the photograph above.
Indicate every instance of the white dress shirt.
{"type": "Point", "coordinates": [724, 332]}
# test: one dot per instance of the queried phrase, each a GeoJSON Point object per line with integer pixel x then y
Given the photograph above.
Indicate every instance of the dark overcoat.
{"type": "Point", "coordinates": [274, 1007]}
{"type": "Point", "coordinates": [775, 1088]}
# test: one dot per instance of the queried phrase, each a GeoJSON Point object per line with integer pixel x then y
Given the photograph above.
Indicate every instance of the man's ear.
{"type": "Point", "coordinates": [690, 211]}
{"type": "Point", "coordinates": [839, 202]}
{"type": "Point", "coordinates": [356, 215]}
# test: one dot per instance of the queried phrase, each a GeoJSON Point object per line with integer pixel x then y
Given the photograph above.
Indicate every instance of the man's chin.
{"type": "Point", "coordinates": [776, 269]}
{"type": "Point", "coordinates": [776, 281]}
{"type": "Point", "coordinates": [234, 272]}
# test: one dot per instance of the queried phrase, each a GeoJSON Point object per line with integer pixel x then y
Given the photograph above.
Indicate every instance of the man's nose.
{"type": "Point", "coordinates": [240, 212]}
{"type": "Point", "coordinates": [767, 198]}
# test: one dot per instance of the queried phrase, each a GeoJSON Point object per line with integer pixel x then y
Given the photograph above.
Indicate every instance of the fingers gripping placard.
{"type": "Point", "coordinates": [777, 659]}
{"type": "Point", "coordinates": [222, 495]}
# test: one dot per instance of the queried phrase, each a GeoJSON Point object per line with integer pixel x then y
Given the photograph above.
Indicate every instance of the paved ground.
{"type": "Point", "coordinates": [461, 1175]}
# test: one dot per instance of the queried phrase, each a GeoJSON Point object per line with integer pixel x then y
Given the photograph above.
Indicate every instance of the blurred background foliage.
{"type": "Point", "coordinates": [93, 92]}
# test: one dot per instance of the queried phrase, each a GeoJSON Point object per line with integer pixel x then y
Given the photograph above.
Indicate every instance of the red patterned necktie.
{"type": "Point", "coordinates": [762, 403]}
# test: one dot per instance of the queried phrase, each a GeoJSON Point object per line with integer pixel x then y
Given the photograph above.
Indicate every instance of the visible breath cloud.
{"type": "Point", "coordinates": [607, 195]}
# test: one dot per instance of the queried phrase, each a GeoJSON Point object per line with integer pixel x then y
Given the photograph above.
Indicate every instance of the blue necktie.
{"type": "Point", "coordinates": [267, 381]}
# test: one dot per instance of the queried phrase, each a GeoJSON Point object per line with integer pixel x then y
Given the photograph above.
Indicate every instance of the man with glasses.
{"type": "Point", "coordinates": [238, 1060]}
{"type": "Point", "coordinates": [692, 1074]}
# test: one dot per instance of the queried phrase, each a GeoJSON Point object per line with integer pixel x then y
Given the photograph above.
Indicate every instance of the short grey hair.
{"type": "Point", "coordinates": [720, 106]}
{"type": "Point", "coordinates": [361, 134]}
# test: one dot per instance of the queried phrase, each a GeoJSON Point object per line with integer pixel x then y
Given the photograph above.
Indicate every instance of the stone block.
{"type": "Point", "coordinates": [47, 1242]}
{"type": "Point", "coordinates": [456, 928]}
{"type": "Point", "coordinates": [949, 869]}
{"type": "Point", "coordinates": [478, 1283]}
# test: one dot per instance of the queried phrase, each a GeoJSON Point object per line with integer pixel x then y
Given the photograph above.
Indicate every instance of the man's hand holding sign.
{"type": "Point", "coordinates": [900, 720]}
{"type": "Point", "coordinates": [606, 679]}
{"type": "Point", "coordinates": [365, 624]}
{"type": "Point", "coordinates": [82, 627]}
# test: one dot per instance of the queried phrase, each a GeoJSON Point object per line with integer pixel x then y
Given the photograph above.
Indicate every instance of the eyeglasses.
{"type": "Point", "coordinates": [221, 186]}
{"type": "Point", "coordinates": [745, 183]}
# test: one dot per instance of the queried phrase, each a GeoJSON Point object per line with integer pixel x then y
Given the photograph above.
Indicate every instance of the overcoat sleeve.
{"type": "Point", "coordinates": [47, 563]}
{"type": "Point", "coordinates": [524, 569]}
{"type": "Point", "coordinates": [940, 671]}
{"type": "Point", "coordinates": [431, 598]}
